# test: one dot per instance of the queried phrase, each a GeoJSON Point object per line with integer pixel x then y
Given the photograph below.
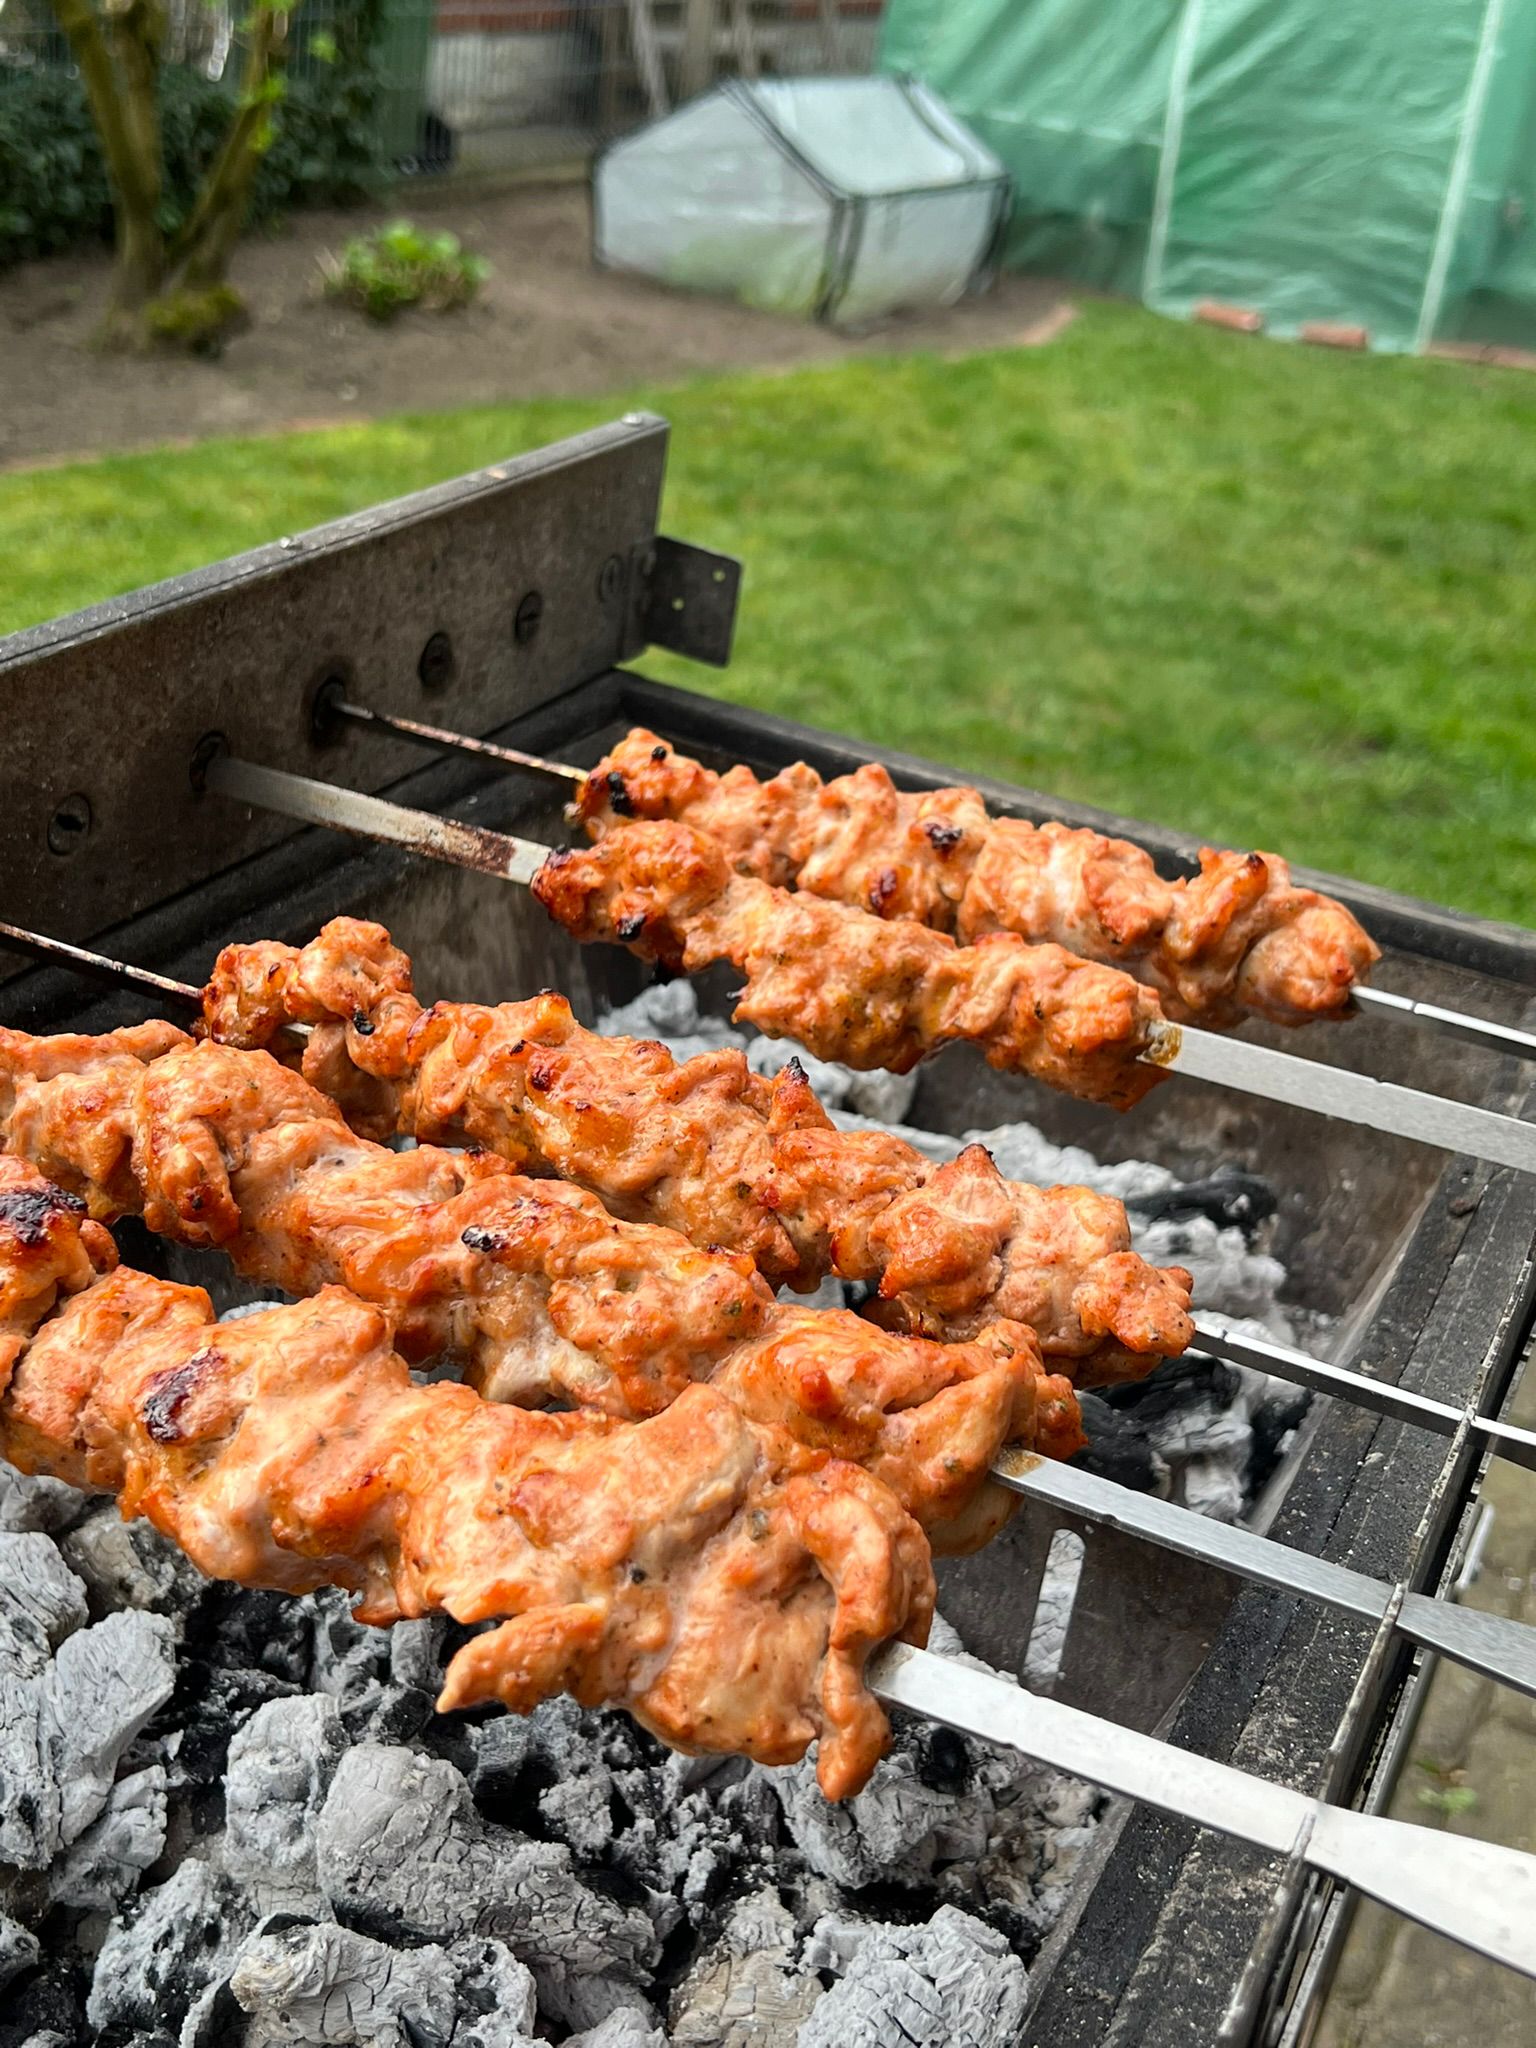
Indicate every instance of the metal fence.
{"type": "Point", "coordinates": [475, 86]}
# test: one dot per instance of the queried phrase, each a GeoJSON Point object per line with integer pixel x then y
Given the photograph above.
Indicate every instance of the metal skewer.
{"type": "Point", "coordinates": [447, 742]}
{"type": "Point", "coordinates": [1450, 1023]}
{"type": "Point", "coordinates": [1492, 1644]}
{"type": "Point", "coordinates": [1479, 1894]}
{"type": "Point", "coordinates": [58, 952]}
{"type": "Point", "coordinates": [1380, 1001]}
{"type": "Point", "coordinates": [1250, 1069]}
{"type": "Point", "coordinates": [1499, 1439]}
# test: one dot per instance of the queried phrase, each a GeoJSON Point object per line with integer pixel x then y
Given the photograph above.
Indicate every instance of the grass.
{"type": "Point", "coordinates": [1274, 595]}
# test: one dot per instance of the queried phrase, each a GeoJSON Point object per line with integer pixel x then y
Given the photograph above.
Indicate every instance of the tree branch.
{"type": "Point", "coordinates": [208, 235]}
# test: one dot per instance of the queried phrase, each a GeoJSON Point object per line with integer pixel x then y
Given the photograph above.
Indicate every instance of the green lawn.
{"type": "Point", "coordinates": [1272, 594]}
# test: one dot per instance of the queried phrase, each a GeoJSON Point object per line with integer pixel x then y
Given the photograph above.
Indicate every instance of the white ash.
{"type": "Point", "coordinates": [951, 1983]}
{"type": "Point", "coordinates": [324, 1986]}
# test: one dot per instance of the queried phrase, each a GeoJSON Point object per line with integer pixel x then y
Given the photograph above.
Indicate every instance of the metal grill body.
{"type": "Point", "coordinates": [504, 605]}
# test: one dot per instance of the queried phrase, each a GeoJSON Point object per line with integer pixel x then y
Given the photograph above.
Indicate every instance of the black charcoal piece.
{"type": "Point", "coordinates": [179, 1940]}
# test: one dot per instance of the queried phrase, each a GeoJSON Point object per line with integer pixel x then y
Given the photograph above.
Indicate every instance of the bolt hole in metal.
{"type": "Point", "coordinates": [70, 825]}
{"type": "Point", "coordinates": [325, 720]}
{"type": "Point", "coordinates": [207, 750]}
{"type": "Point", "coordinates": [435, 670]}
{"type": "Point", "coordinates": [609, 578]}
{"type": "Point", "coordinates": [525, 620]}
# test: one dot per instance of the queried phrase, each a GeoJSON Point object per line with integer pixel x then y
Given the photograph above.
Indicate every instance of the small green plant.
{"type": "Point", "coordinates": [399, 266]}
{"type": "Point", "coordinates": [1448, 1792]}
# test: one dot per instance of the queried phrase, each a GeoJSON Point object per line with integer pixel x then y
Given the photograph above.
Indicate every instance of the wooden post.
{"type": "Point", "coordinates": [698, 65]}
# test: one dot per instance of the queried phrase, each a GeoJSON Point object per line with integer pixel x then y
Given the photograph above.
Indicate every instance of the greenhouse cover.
{"type": "Point", "coordinates": [841, 198]}
{"type": "Point", "coordinates": [1341, 162]}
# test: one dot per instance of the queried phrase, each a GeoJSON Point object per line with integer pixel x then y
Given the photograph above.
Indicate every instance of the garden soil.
{"type": "Point", "coordinates": [547, 324]}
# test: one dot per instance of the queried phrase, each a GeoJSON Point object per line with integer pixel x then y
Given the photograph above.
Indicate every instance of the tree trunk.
{"type": "Point", "coordinates": [119, 78]}
{"type": "Point", "coordinates": [177, 292]}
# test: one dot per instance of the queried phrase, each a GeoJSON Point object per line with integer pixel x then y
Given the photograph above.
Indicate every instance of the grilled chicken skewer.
{"type": "Point", "coordinates": [722, 1584]}
{"type": "Point", "coordinates": [532, 1285]}
{"type": "Point", "coordinates": [1238, 938]}
{"type": "Point", "coordinates": [712, 1150]}
{"type": "Point", "coordinates": [712, 1575]}
{"type": "Point", "coordinates": [1084, 1037]}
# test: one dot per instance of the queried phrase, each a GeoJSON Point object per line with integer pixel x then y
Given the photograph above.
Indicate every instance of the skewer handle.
{"type": "Point", "coordinates": [1479, 1894]}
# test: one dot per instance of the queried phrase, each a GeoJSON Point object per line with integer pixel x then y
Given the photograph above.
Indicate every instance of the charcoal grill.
{"type": "Point", "coordinates": [504, 605]}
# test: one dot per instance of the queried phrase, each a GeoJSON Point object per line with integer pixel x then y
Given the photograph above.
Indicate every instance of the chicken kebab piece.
{"type": "Point", "coordinates": [713, 1150]}
{"type": "Point", "coordinates": [544, 1297]}
{"type": "Point", "coordinates": [711, 1574]}
{"type": "Point", "coordinates": [1237, 938]}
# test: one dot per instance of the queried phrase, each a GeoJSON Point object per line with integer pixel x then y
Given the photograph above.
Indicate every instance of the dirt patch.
{"type": "Point", "coordinates": [547, 324]}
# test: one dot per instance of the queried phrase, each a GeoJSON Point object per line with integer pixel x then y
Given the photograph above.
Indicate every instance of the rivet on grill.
{"type": "Point", "coordinates": [525, 620]}
{"type": "Point", "coordinates": [70, 825]}
{"type": "Point", "coordinates": [435, 668]}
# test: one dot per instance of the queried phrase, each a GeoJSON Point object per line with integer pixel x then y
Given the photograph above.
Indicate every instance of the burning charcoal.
{"type": "Point", "coordinates": [325, 1985]}
{"type": "Point", "coordinates": [626, 2028]}
{"type": "Point", "coordinates": [35, 1582]}
{"type": "Point", "coordinates": [1229, 1198]}
{"type": "Point", "coordinates": [350, 1661]}
{"type": "Point", "coordinates": [130, 1564]}
{"type": "Point", "coordinates": [281, 1764]}
{"type": "Point", "coordinates": [104, 1686]}
{"type": "Point", "coordinates": [498, 1991]}
{"type": "Point", "coordinates": [159, 1959]}
{"type": "Point", "coordinates": [746, 1990]}
{"type": "Point", "coordinates": [950, 1984]}
{"type": "Point", "coordinates": [1214, 1485]}
{"type": "Point", "coordinates": [1228, 1275]}
{"type": "Point", "coordinates": [106, 1860]}
{"type": "Point", "coordinates": [402, 1850]}
{"type": "Point", "coordinates": [1023, 1153]}
{"type": "Point", "coordinates": [29, 1788]}
{"type": "Point", "coordinates": [902, 1826]}
{"type": "Point", "coordinates": [18, 1949]}
{"type": "Point", "coordinates": [1119, 1448]}
{"type": "Point", "coordinates": [38, 1504]}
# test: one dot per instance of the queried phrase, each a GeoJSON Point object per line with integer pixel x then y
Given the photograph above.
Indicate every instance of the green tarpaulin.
{"type": "Point", "coordinates": [1342, 161]}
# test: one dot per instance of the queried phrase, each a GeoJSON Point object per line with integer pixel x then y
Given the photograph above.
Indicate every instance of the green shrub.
{"type": "Point", "coordinates": [53, 186]}
{"type": "Point", "coordinates": [399, 266]}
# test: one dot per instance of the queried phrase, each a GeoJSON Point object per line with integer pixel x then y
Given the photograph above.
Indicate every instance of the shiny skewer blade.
{"type": "Point", "coordinates": [370, 817]}
{"type": "Point", "coordinates": [1451, 1023]}
{"type": "Point", "coordinates": [1491, 1644]}
{"type": "Point", "coordinates": [1380, 1002]}
{"type": "Point", "coordinates": [1400, 1404]}
{"type": "Point", "coordinates": [1479, 1894]}
{"type": "Point", "coordinates": [1250, 1069]}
